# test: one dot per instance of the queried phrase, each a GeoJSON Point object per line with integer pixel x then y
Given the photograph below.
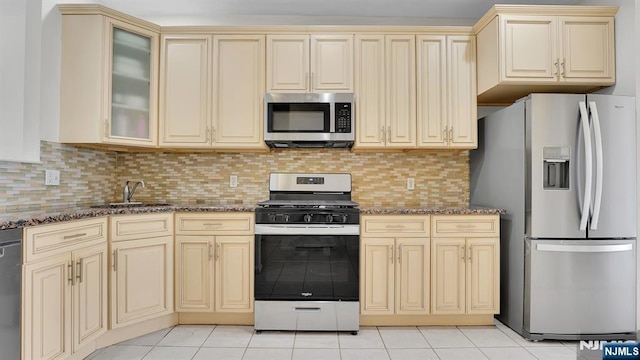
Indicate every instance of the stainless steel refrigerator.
{"type": "Point", "coordinates": [563, 166]}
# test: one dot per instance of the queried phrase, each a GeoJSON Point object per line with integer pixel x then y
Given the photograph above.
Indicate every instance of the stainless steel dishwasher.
{"type": "Point", "coordinates": [10, 291]}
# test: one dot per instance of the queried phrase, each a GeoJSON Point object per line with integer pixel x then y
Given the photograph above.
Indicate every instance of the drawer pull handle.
{"type": "Point", "coordinates": [470, 226]}
{"type": "Point", "coordinates": [212, 224]}
{"type": "Point", "coordinates": [307, 309]}
{"type": "Point", "coordinates": [67, 237]}
{"type": "Point", "coordinates": [79, 265]}
{"type": "Point", "coordinates": [400, 226]}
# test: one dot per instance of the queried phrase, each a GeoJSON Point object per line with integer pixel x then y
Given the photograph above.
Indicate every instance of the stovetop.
{"type": "Point", "coordinates": [308, 203]}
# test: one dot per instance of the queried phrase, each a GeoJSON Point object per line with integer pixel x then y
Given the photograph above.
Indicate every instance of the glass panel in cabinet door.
{"type": "Point", "coordinates": [130, 85]}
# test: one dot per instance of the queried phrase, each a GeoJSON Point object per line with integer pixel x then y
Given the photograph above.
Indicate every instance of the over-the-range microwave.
{"type": "Point", "coordinates": [309, 120]}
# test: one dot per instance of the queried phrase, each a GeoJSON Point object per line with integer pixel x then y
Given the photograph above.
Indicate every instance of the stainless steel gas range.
{"type": "Point", "coordinates": [307, 254]}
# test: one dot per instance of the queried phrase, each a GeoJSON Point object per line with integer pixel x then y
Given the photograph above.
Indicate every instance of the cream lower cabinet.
{"type": "Point", "coordinates": [64, 288]}
{"type": "Point", "coordinates": [394, 265]}
{"type": "Point", "coordinates": [141, 268]}
{"type": "Point", "coordinates": [214, 262]}
{"type": "Point", "coordinates": [465, 277]}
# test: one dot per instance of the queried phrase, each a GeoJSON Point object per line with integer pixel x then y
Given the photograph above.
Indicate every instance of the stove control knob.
{"type": "Point", "coordinates": [272, 218]}
{"type": "Point", "coordinates": [307, 218]}
{"type": "Point", "coordinates": [345, 218]}
{"type": "Point", "coordinates": [286, 218]}
{"type": "Point", "coordinates": [329, 218]}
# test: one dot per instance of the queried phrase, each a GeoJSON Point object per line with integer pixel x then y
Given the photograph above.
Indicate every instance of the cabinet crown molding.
{"type": "Point", "coordinates": [318, 29]}
{"type": "Point", "coordinates": [97, 9]}
{"type": "Point", "coordinates": [544, 10]}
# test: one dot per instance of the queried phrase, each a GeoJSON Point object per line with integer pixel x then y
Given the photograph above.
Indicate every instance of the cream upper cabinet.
{"type": "Point", "coordinates": [64, 290]}
{"type": "Point", "coordinates": [309, 63]}
{"type": "Point", "coordinates": [544, 49]}
{"type": "Point", "coordinates": [211, 91]}
{"type": "Point", "coordinates": [141, 267]}
{"type": "Point", "coordinates": [465, 277]}
{"type": "Point", "coordinates": [214, 262]}
{"type": "Point", "coordinates": [238, 92]}
{"type": "Point", "coordinates": [109, 79]}
{"type": "Point", "coordinates": [446, 91]}
{"type": "Point", "coordinates": [385, 91]}
{"type": "Point", "coordinates": [395, 265]}
{"type": "Point", "coordinates": [185, 90]}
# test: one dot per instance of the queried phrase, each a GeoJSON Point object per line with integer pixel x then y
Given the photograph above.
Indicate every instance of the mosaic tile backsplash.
{"type": "Point", "coordinates": [95, 177]}
{"type": "Point", "coordinates": [86, 177]}
{"type": "Point", "coordinates": [379, 179]}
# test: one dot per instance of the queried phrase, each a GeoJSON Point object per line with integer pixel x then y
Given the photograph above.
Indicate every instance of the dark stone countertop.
{"type": "Point", "coordinates": [409, 210]}
{"type": "Point", "coordinates": [54, 215]}
{"type": "Point", "coordinates": [58, 214]}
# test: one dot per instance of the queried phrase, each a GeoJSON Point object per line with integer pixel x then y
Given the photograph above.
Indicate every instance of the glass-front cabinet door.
{"type": "Point", "coordinates": [133, 90]}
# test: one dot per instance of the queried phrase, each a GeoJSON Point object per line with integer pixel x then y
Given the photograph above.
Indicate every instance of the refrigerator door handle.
{"type": "Point", "coordinates": [584, 248]}
{"type": "Point", "coordinates": [597, 201]}
{"type": "Point", "coordinates": [588, 162]}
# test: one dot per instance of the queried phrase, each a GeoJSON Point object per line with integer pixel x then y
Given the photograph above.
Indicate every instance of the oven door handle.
{"type": "Point", "coordinates": [265, 229]}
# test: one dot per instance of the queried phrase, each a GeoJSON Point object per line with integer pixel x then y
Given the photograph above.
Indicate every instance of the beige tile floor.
{"type": "Point", "coordinates": [200, 342]}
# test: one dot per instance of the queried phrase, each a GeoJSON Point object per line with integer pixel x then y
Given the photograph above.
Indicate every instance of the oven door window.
{"type": "Point", "coordinates": [299, 117]}
{"type": "Point", "coordinates": [307, 267]}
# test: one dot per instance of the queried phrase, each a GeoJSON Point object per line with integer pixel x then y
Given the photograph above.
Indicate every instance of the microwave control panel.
{"type": "Point", "coordinates": [343, 117]}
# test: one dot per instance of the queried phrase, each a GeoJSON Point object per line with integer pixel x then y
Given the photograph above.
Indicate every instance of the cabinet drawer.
{"type": "Point", "coordinates": [465, 225]}
{"type": "Point", "coordinates": [395, 225]}
{"type": "Point", "coordinates": [141, 226]}
{"type": "Point", "coordinates": [226, 223]}
{"type": "Point", "coordinates": [47, 240]}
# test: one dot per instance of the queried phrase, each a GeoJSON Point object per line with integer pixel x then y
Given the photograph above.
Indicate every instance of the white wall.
{"type": "Point", "coordinates": [20, 80]}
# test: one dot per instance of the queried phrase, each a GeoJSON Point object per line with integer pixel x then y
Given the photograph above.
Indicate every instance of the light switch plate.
{"type": "Point", "coordinates": [233, 181]}
{"type": "Point", "coordinates": [52, 177]}
{"type": "Point", "coordinates": [411, 183]}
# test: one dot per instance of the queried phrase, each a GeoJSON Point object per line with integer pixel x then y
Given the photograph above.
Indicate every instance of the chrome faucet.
{"type": "Point", "coordinates": [127, 193]}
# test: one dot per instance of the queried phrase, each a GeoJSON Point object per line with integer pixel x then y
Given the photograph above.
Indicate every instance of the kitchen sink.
{"type": "Point", "coordinates": [129, 205]}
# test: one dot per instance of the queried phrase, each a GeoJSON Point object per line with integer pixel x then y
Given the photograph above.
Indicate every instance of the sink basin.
{"type": "Point", "coordinates": [129, 205]}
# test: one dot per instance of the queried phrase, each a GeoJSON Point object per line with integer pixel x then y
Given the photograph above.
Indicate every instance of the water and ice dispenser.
{"type": "Point", "coordinates": [556, 167]}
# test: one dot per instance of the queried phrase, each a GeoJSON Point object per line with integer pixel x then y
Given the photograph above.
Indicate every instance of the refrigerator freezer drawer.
{"type": "Point", "coordinates": [580, 287]}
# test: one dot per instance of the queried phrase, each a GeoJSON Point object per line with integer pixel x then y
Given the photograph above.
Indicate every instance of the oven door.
{"type": "Point", "coordinates": [307, 267]}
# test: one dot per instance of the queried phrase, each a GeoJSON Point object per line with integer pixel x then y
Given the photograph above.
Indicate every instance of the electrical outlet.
{"type": "Point", "coordinates": [52, 177]}
{"type": "Point", "coordinates": [233, 181]}
{"type": "Point", "coordinates": [411, 183]}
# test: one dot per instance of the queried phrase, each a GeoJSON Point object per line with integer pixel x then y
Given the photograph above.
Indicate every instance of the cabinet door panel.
{"type": "Point", "coordinates": [448, 276]}
{"type": "Point", "coordinates": [133, 86]}
{"type": "Point", "coordinates": [377, 267]}
{"type": "Point", "coordinates": [412, 274]}
{"type": "Point", "coordinates": [142, 283]}
{"type": "Point", "coordinates": [287, 63]}
{"type": "Point", "coordinates": [587, 46]}
{"type": "Point", "coordinates": [46, 314]}
{"type": "Point", "coordinates": [90, 294]}
{"type": "Point", "coordinates": [463, 118]}
{"type": "Point", "coordinates": [185, 82]}
{"type": "Point", "coordinates": [238, 91]}
{"type": "Point", "coordinates": [194, 273]}
{"type": "Point", "coordinates": [483, 276]}
{"type": "Point", "coordinates": [234, 273]}
{"type": "Point", "coordinates": [401, 90]}
{"type": "Point", "coordinates": [371, 91]}
{"type": "Point", "coordinates": [332, 63]}
{"type": "Point", "coordinates": [432, 90]}
{"type": "Point", "coordinates": [530, 50]}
